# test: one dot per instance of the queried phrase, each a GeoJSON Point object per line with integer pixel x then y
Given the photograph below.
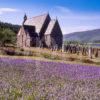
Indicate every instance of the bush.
{"type": "Point", "coordinates": [57, 57]}
{"type": "Point", "coordinates": [23, 53]}
{"type": "Point", "coordinates": [71, 59]}
{"type": "Point", "coordinates": [50, 56]}
{"type": "Point", "coordinates": [27, 53]}
{"type": "Point", "coordinates": [46, 55]}
{"type": "Point", "coordinates": [9, 52]}
{"type": "Point", "coordinates": [7, 36]}
{"type": "Point", "coordinates": [2, 52]}
{"type": "Point", "coordinates": [32, 96]}
{"type": "Point", "coordinates": [87, 61]}
{"type": "Point", "coordinates": [21, 49]}
{"type": "Point", "coordinates": [18, 53]}
{"type": "Point", "coordinates": [16, 94]}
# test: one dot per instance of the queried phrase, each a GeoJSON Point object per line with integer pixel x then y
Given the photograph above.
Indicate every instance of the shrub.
{"type": "Point", "coordinates": [2, 52]}
{"type": "Point", "coordinates": [97, 63]}
{"type": "Point", "coordinates": [9, 52]}
{"type": "Point", "coordinates": [71, 59]}
{"type": "Point", "coordinates": [46, 55]}
{"type": "Point", "coordinates": [50, 56]}
{"type": "Point", "coordinates": [21, 49]}
{"type": "Point", "coordinates": [32, 96]}
{"type": "Point", "coordinates": [27, 53]}
{"type": "Point", "coordinates": [87, 61]}
{"type": "Point", "coordinates": [57, 57]}
{"type": "Point", "coordinates": [14, 94]}
{"type": "Point", "coordinates": [7, 36]}
{"type": "Point", "coordinates": [23, 53]}
{"type": "Point", "coordinates": [2, 98]}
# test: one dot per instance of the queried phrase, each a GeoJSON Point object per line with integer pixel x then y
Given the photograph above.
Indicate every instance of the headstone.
{"type": "Point", "coordinates": [90, 52]}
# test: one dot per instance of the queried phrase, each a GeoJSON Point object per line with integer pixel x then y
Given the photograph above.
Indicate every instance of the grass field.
{"type": "Point", "coordinates": [64, 57]}
{"type": "Point", "coordinates": [49, 55]}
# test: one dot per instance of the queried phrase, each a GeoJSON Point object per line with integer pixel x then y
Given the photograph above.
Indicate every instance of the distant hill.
{"type": "Point", "coordinates": [14, 28]}
{"type": "Point", "coordinates": [84, 36]}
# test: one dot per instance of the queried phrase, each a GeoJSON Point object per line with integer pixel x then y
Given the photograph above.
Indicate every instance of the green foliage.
{"type": "Point", "coordinates": [7, 36]}
{"type": "Point", "coordinates": [71, 59]}
{"type": "Point", "coordinates": [32, 96]}
{"type": "Point", "coordinates": [14, 94]}
{"type": "Point", "coordinates": [8, 33]}
{"type": "Point", "coordinates": [43, 97]}
{"type": "Point", "coordinates": [72, 42]}
{"type": "Point", "coordinates": [87, 61]}
{"type": "Point", "coordinates": [2, 98]}
{"type": "Point", "coordinates": [46, 55]}
{"type": "Point", "coordinates": [51, 57]}
{"type": "Point", "coordinates": [4, 26]}
{"type": "Point", "coordinates": [29, 85]}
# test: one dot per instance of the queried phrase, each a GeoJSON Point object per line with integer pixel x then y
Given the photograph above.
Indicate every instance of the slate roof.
{"type": "Point", "coordinates": [50, 27]}
{"type": "Point", "coordinates": [37, 21]}
{"type": "Point", "coordinates": [30, 30]}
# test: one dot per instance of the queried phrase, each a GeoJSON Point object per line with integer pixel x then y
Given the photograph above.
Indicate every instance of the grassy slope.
{"type": "Point", "coordinates": [45, 55]}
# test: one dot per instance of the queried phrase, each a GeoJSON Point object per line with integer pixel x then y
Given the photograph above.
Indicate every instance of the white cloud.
{"type": "Point", "coordinates": [69, 19]}
{"type": "Point", "coordinates": [62, 9]}
{"type": "Point", "coordinates": [5, 10]}
{"type": "Point", "coordinates": [73, 21]}
{"type": "Point", "coordinates": [80, 17]}
{"type": "Point", "coordinates": [67, 13]}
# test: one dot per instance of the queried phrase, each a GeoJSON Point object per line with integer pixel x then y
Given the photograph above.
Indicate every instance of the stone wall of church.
{"type": "Point", "coordinates": [22, 39]}
{"type": "Point", "coordinates": [56, 37]}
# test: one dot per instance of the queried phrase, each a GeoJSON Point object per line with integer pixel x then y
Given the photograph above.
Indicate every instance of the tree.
{"type": "Point", "coordinates": [7, 36]}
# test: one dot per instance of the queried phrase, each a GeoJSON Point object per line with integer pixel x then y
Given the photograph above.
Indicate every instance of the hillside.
{"type": "Point", "coordinates": [84, 36]}
{"type": "Point", "coordinates": [14, 28]}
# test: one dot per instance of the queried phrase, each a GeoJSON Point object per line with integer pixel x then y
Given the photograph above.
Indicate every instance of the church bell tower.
{"type": "Point", "coordinates": [25, 18]}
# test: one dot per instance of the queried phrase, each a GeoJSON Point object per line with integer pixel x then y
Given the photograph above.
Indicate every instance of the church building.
{"type": "Point", "coordinates": [40, 31]}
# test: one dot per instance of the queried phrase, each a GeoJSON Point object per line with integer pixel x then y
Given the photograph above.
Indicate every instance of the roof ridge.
{"type": "Point", "coordinates": [39, 15]}
{"type": "Point", "coordinates": [53, 24]}
{"type": "Point", "coordinates": [50, 23]}
{"type": "Point", "coordinates": [53, 19]}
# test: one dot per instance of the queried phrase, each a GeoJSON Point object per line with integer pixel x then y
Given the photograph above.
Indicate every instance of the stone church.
{"type": "Point", "coordinates": [40, 31]}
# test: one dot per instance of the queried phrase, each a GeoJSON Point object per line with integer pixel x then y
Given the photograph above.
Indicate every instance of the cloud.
{"type": "Point", "coordinates": [62, 9]}
{"type": "Point", "coordinates": [5, 10]}
{"type": "Point", "coordinates": [66, 13]}
{"type": "Point", "coordinates": [73, 21]}
{"type": "Point", "coordinates": [80, 17]}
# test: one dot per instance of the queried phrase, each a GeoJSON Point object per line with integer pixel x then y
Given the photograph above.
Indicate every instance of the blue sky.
{"type": "Point", "coordinates": [73, 15]}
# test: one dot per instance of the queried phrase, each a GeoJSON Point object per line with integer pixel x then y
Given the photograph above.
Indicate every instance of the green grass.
{"type": "Point", "coordinates": [50, 56]}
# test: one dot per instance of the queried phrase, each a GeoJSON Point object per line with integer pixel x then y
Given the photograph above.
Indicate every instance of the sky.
{"type": "Point", "coordinates": [73, 15]}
